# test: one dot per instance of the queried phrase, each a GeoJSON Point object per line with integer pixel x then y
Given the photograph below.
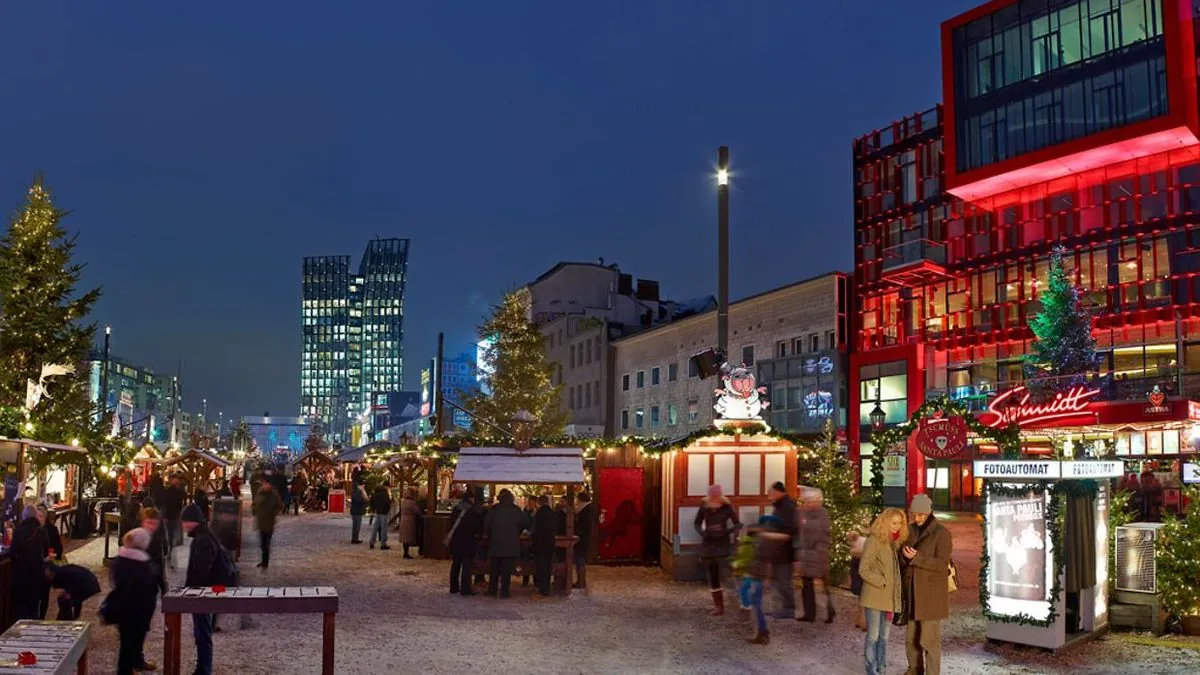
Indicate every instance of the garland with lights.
{"type": "Point", "coordinates": [1177, 558]}
{"type": "Point", "coordinates": [1008, 439]}
{"type": "Point", "coordinates": [1059, 493]}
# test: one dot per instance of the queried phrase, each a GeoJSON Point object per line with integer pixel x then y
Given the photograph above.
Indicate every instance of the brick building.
{"type": "Point", "coordinates": [793, 336]}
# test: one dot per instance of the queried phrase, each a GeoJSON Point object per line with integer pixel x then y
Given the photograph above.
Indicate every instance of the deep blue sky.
{"type": "Point", "coordinates": [206, 147]}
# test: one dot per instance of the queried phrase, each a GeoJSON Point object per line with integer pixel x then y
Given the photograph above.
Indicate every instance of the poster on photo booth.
{"type": "Point", "coordinates": [1017, 546]}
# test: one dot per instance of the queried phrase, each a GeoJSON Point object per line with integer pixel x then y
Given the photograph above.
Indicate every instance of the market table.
{"type": "Point", "coordinates": [247, 600]}
{"type": "Point", "coordinates": [60, 646]}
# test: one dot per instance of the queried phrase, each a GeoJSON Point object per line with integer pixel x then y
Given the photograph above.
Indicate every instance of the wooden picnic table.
{"type": "Point", "coordinates": [61, 647]}
{"type": "Point", "coordinates": [247, 600]}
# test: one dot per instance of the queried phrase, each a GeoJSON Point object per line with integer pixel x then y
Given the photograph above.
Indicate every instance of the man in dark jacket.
{"type": "Point", "coordinates": [583, 530]}
{"type": "Point", "coordinates": [29, 551]}
{"type": "Point", "coordinates": [545, 524]}
{"type": "Point", "coordinates": [76, 584]}
{"type": "Point", "coordinates": [157, 550]}
{"type": "Point", "coordinates": [174, 498]}
{"type": "Point", "coordinates": [925, 570]}
{"type": "Point", "coordinates": [381, 507]}
{"type": "Point", "coordinates": [466, 522]}
{"type": "Point", "coordinates": [201, 572]}
{"type": "Point", "coordinates": [358, 508]}
{"type": "Point", "coordinates": [502, 527]}
{"type": "Point", "coordinates": [781, 563]}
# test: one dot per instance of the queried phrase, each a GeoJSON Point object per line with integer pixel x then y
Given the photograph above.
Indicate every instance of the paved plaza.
{"type": "Point", "coordinates": [397, 616]}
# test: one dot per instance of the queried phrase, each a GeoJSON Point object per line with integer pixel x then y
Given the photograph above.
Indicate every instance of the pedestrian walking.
{"type": "Point", "coordinates": [880, 597]}
{"type": "Point", "coordinates": [75, 584]}
{"type": "Point", "coordinates": [502, 527]}
{"type": "Point", "coordinates": [467, 524]}
{"type": "Point", "coordinates": [152, 523]}
{"type": "Point", "coordinates": [235, 486]}
{"type": "Point", "coordinates": [410, 515]}
{"type": "Point", "coordinates": [266, 507]}
{"type": "Point", "coordinates": [200, 498]}
{"type": "Point", "coordinates": [358, 508]}
{"type": "Point", "coordinates": [201, 571]}
{"type": "Point", "coordinates": [545, 524]}
{"type": "Point", "coordinates": [925, 566]}
{"type": "Point", "coordinates": [174, 498]}
{"type": "Point", "coordinates": [753, 564]}
{"type": "Point", "coordinates": [812, 554]}
{"type": "Point", "coordinates": [381, 508]}
{"type": "Point", "coordinates": [584, 527]}
{"type": "Point", "coordinates": [29, 551]}
{"type": "Point", "coordinates": [132, 601]}
{"type": "Point", "coordinates": [781, 563]}
{"type": "Point", "coordinates": [717, 523]}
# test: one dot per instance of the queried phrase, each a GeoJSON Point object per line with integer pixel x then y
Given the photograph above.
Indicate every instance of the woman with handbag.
{"type": "Point", "coordinates": [880, 594]}
{"type": "Point", "coordinates": [131, 602]}
{"type": "Point", "coordinates": [467, 522]}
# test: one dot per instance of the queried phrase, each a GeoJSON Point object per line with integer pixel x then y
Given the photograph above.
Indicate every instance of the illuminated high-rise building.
{"type": "Point", "coordinates": [353, 332]}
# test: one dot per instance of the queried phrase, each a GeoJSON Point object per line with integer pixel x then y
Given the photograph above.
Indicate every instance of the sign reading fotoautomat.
{"type": "Point", "coordinates": [1018, 468]}
{"type": "Point", "coordinates": [1104, 469]}
{"type": "Point", "coordinates": [1047, 469]}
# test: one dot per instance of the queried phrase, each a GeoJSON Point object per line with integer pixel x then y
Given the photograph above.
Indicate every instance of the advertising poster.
{"type": "Point", "coordinates": [621, 514]}
{"type": "Point", "coordinates": [1017, 546]}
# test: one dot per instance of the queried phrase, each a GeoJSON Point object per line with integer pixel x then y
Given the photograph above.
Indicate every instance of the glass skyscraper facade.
{"type": "Point", "coordinates": [353, 333]}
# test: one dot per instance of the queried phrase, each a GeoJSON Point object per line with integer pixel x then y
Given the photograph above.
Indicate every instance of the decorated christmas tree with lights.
{"type": "Point", "coordinates": [834, 475]}
{"type": "Point", "coordinates": [1177, 559]}
{"type": "Point", "coordinates": [1063, 351]}
{"type": "Point", "coordinates": [516, 374]}
{"type": "Point", "coordinates": [43, 334]}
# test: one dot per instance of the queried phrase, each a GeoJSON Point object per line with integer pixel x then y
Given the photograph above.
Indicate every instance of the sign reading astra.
{"type": "Point", "coordinates": [1015, 406]}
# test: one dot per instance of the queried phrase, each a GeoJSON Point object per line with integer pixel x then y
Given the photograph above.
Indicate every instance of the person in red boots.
{"type": "Point", "coordinates": [717, 523]}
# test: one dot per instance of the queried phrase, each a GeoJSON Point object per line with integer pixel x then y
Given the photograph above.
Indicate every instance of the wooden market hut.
{"type": "Point", "coordinates": [197, 468]}
{"type": "Point", "coordinates": [313, 462]}
{"type": "Point", "coordinates": [532, 466]}
{"type": "Point", "coordinates": [143, 464]}
{"type": "Point", "coordinates": [744, 464]}
{"type": "Point", "coordinates": [406, 470]}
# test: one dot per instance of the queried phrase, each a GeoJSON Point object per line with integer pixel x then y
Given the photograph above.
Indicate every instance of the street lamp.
{"type": "Point", "coordinates": [878, 417]}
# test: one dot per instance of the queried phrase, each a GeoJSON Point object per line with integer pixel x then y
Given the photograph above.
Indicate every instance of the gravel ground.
{"type": "Point", "coordinates": [396, 616]}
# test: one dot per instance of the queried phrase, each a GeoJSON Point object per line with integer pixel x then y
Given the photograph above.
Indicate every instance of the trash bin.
{"type": "Point", "coordinates": [337, 501]}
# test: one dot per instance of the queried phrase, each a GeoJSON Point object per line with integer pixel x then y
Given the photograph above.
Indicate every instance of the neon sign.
{"type": "Point", "coordinates": [1015, 407]}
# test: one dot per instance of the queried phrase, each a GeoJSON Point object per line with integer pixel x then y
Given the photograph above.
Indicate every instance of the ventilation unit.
{"type": "Point", "coordinates": [1135, 547]}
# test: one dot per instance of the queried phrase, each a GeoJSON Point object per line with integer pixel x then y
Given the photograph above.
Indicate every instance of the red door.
{"type": "Point", "coordinates": [622, 514]}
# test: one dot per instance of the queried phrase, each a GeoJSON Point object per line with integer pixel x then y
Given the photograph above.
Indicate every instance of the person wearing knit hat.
{"type": "Point", "coordinates": [192, 514]}
{"type": "Point", "coordinates": [201, 572]}
{"type": "Point", "coordinates": [131, 602]}
{"type": "Point", "coordinates": [925, 561]}
{"type": "Point", "coordinates": [716, 522]}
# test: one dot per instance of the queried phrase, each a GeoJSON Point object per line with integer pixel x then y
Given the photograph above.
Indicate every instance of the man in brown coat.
{"type": "Point", "coordinates": [925, 563]}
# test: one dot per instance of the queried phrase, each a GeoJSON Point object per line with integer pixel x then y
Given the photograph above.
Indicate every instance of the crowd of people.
{"type": "Point", "coordinates": [902, 572]}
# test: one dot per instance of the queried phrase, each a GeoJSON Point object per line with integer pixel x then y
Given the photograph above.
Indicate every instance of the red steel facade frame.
{"type": "Point", "coordinates": [945, 286]}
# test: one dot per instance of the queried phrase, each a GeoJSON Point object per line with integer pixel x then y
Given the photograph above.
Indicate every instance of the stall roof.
{"type": "Point", "coordinates": [198, 453]}
{"type": "Point", "coordinates": [46, 446]}
{"type": "Point", "coordinates": [357, 454]}
{"type": "Point", "coordinates": [535, 466]}
{"type": "Point", "coordinates": [321, 455]}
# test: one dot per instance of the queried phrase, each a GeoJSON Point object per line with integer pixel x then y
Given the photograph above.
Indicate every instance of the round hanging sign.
{"type": "Point", "coordinates": [942, 437]}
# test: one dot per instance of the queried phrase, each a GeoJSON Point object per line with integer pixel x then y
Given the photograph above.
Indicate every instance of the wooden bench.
{"type": "Point", "coordinates": [61, 647]}
{"type": "Point", "coordinates": [247, 600]}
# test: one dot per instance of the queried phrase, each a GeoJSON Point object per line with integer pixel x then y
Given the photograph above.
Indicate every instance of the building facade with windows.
{"type": "Point", "coordinates": [1065, 122]}
{"type": "Point", "coordinates": [352, 324]}
{"type": "Point", "coordinates": [580, 309]}
{"type": "Point", "coordinates": [793, 337]}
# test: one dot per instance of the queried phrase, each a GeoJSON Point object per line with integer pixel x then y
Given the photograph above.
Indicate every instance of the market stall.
{"type": "Point", "coordinates": [197, 468]}
{"type": "Point", "coordinates": [744, 464]}
{"type": "Point", "coordinates": [1046, 538]}
{"type": "Point", "coordinates": [544, 467]}
{"type": "Point", "coordinates": [143, 465]}
{"type": "Point", "coordinates": [313, 463]}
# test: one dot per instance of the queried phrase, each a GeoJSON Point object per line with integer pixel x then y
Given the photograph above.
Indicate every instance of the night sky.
{"type": "Point", "coordinates": [205, 148]}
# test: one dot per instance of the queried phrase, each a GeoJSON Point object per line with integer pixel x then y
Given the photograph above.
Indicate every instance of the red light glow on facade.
{"type": "Point", "coordinates": [1015, 407]}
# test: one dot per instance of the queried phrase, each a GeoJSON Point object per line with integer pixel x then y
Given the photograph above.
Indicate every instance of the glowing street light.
{"type": "Point", "coordinates": [722, 177]}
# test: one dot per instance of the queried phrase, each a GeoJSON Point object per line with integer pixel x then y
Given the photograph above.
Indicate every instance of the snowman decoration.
{"type": "Point", "coordinates": [740, 399]}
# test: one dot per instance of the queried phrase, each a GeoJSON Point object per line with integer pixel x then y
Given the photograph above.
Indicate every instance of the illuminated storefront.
{"type": "Point", "coordinates": [1063, 124]}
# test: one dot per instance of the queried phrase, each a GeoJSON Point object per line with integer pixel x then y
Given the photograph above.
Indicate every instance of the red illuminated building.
{"type": "Point", "coordinates": [1068, 122]}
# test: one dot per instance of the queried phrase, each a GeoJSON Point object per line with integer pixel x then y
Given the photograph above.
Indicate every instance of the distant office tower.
{"type": "Point", "coordinates": [352, 332]}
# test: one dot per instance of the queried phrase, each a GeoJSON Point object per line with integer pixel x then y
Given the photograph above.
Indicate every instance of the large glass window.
{"type": "Point", "coordinates": [887, 385]}
{"type": "Point", "coordinates": [1045, 54]}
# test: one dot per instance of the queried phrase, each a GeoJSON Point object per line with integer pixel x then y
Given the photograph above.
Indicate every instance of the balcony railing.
{"type": "Point", "coordinates": [912, 253]}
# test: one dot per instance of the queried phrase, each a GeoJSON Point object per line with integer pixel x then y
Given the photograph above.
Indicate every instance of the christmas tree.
{"type": "Point", "coordinates": [1063, 350]}
{"type": "Point", "coordinates": [41, 320]}
{"type": "Point", "coordinates": [834, 475]}
{"type": "Point", "coordinates": [516, 374]}
{"type": "Point", "coordinates": [1178, 559]}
